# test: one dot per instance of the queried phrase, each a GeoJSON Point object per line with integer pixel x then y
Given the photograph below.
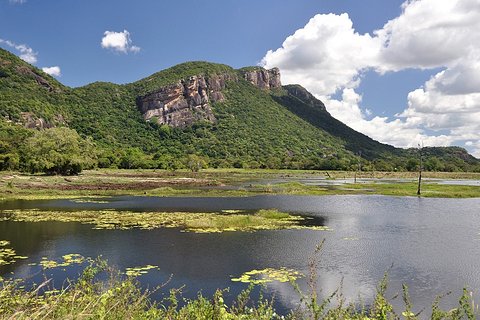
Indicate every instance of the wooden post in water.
{"type": "Point", "coordinates": [359, 166]}
{"type": "Point", "coordinates": [420, 172]}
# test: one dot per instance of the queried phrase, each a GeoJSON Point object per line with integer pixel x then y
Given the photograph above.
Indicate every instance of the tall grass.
{"type": "Point", "coordinates": [103, 293]}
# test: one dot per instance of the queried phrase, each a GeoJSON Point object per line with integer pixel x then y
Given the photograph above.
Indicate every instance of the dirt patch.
{"type": "Point", "coordinates": [137, 185]}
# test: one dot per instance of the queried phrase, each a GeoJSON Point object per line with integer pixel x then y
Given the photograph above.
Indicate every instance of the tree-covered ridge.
{"type": "Point", "coordinates": [25, 88]}
{"type": "Point", "coordinates": [254, 128]}
{"type": "Point", "coordinates": [305, 105]}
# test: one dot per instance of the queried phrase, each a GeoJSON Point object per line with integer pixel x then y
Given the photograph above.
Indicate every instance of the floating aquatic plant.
{"type": "Point", "coordinates": [138, 271]}
{"type": "Point", "coordinates": [233, 211]}
{"type": "Point", "coordinates": [83, 200]}
{"type": "Point", "coordinates": [4, 243]}
{"type": "Point", "coordinates": [192, 222]}
{"type": "Point", "coordinates": [67, 260]}
{"type": "Point", "coordinates": [269, 275]}
{"type": "Point", "coordinates": [8, 255]}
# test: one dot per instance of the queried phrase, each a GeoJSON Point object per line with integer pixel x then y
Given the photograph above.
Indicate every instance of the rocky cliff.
{"type": "Point", "coordinates": [188, 101]}
{"type": "Point", "coordinates": [264, 79]}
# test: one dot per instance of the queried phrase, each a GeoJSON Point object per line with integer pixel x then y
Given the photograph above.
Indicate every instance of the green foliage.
{"type": "Point", "coordinates": [102, 292]}
{"type": "Point", "coordinates": [134, 158]}
{"type": "Point", "coordinates": [11, 138]}
{"type": "Point", "coordinates": [195, 163]}
{"type": "Point", "coordinates": [306, 106]}
{"type": "Point", "coordinates": [412, 164]}
{"type": "Point", "coordinates": [285, 128]}
{"type": "Point", "coordinates": [58, 151]}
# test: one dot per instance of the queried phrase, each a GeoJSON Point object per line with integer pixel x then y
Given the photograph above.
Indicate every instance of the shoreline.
{"type": "Point", "coordinates": [233, 183]}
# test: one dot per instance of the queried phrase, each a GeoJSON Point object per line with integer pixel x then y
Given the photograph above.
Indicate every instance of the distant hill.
{"type": "Point", "coordinates": [230, 118]}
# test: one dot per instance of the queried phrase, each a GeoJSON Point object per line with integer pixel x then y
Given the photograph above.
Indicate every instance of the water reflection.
{"type": "Point", "coordinates": [429, 244]}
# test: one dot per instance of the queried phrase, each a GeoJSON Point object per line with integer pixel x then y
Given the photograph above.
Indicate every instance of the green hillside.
{"type": "Point", "coordinates": [285, 127]}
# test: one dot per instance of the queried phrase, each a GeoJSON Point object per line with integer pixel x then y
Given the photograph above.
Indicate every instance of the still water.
{"type": "Point", "coordinates": [432, 245]}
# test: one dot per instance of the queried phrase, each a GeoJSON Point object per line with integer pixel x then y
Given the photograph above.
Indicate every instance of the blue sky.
{"type": "Point", "coordinates": [368, 90]}
{"type": "Point", "coordinates": [238, 33]}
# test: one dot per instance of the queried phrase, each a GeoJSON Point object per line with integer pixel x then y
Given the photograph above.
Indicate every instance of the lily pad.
{"type": "Point", "coordinates": [67, 260]}
{"type": "Point", "coordinates": [269, 275]}
{"type": "Point", "coordinates": [138, 271]}
{"type": "Point", "coordinates": [8, 255]}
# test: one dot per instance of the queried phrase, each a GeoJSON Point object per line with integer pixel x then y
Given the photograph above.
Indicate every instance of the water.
{"type": "Point", "coordinates": [432, 245]}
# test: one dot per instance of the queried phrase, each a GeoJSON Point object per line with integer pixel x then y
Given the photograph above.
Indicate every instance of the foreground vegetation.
{"type": "Point", "coordinates": [121, 297]}
{"type": "Point", "coordinates": [229, 182]}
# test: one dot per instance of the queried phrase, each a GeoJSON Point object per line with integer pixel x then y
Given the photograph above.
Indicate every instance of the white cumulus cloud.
{"type": "Point", "coordinates": [328, 56]}
{"type": "Point", "coordinates": [17, 1]}
{"type": "Point", "coordinates": [119, 41]}
{"type": "Point", "coordinates": [53, 71]}
{"type": "Point", "coordinates": [327, 48]}
{"type": "Point", "coordinates": [25, 52]}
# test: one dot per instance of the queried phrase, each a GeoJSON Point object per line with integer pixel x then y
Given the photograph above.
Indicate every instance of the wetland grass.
{"type": "Point", "coordinates": [209, 183]}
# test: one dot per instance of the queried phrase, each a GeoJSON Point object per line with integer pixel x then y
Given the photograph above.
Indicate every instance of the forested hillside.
{"type": "Point", "coordinates": [200, 112]}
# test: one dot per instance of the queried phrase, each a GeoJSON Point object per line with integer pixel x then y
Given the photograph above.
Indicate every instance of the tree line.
{"type": "Point", "coordinates": [63, 151]}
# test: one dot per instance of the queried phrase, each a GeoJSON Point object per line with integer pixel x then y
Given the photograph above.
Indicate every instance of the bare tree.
{"type": "Point", "coordinates": [359, 166]}
{"type": "Point", "coordinates": [420, 167]}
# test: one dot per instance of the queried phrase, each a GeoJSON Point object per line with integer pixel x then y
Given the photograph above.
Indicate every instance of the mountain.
{"type": "Point", "coordinates": [240, 118]}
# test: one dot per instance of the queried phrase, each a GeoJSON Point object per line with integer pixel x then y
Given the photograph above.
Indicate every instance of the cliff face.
{"type": "Point", "coordinates": [185, 102]}
{"type": "Point", "coordinates": [189, 101]}
{"type": "Point", "coordinates": [264, 79]}
{"type": "Point", "coordinates": [306, 97]}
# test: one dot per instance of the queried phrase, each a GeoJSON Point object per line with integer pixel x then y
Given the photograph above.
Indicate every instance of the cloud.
{"type": "Point", "coordinates": [118, 41]}
{"type": "Point", "coordinates": [17, 1]}
{"type": "Point", "coordinates": [29, 55]}
{"type": "Point", "coordinates": [397, 132]}
{"type": "Point", "coordinates": [328, 57]}
{"type": "Point", "coordinates": [26, 53]}
{"type": "Point", "coordinates": [431, 33]}
{"type": "Point", "coordinates": [326, 49]}
{"type": "Point", "coordinates": [53, 71]}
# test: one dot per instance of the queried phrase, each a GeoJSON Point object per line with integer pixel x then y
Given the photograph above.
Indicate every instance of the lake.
{"type": "Point", "coordinates": [432, 245]}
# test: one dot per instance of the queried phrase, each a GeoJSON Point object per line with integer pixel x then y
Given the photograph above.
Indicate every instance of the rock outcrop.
{"type": "Point", "coordinates": [264, 79]}
{"type": "Point", "coordinates": [186, 102]}
{"type": "Point", "coordinates": [306, 97]}
{"type": "Point", "coordinates": [39, 79]}
{"type": "Point", "coordinates": [31, 121]}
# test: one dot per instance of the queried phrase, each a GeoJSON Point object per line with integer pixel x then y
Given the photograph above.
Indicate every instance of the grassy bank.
{"type": "Point", "coordinates": [121, 297]}
{"type": "Point", "coordinates": [232, 182]}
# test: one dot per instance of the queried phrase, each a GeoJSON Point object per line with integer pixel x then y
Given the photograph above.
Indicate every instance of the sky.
{"type": "Point", "coordinates": [406, 73]}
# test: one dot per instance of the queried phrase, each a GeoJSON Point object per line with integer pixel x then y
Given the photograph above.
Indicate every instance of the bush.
{"type": "Point", "coordinates": [195, 163]}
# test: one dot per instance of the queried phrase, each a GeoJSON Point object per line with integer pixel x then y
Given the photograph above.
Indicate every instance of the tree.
{"type": "Point", "coordinates": [134, 158]}
{"type": "Point", "coordinates": [11, 138]}
{"type": "Point", "coordinates": [166, 162]}
{"type": "Point", "coordinates": [58, 151]}
{"type": "Point", "coordinates": [433, 164]}
{"type": "Point", "coordinates": [412, 165]}
{"type": "Point", "coordinates": [195, 162]}
{"type": "Point", "coordinates": [9, 159]}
